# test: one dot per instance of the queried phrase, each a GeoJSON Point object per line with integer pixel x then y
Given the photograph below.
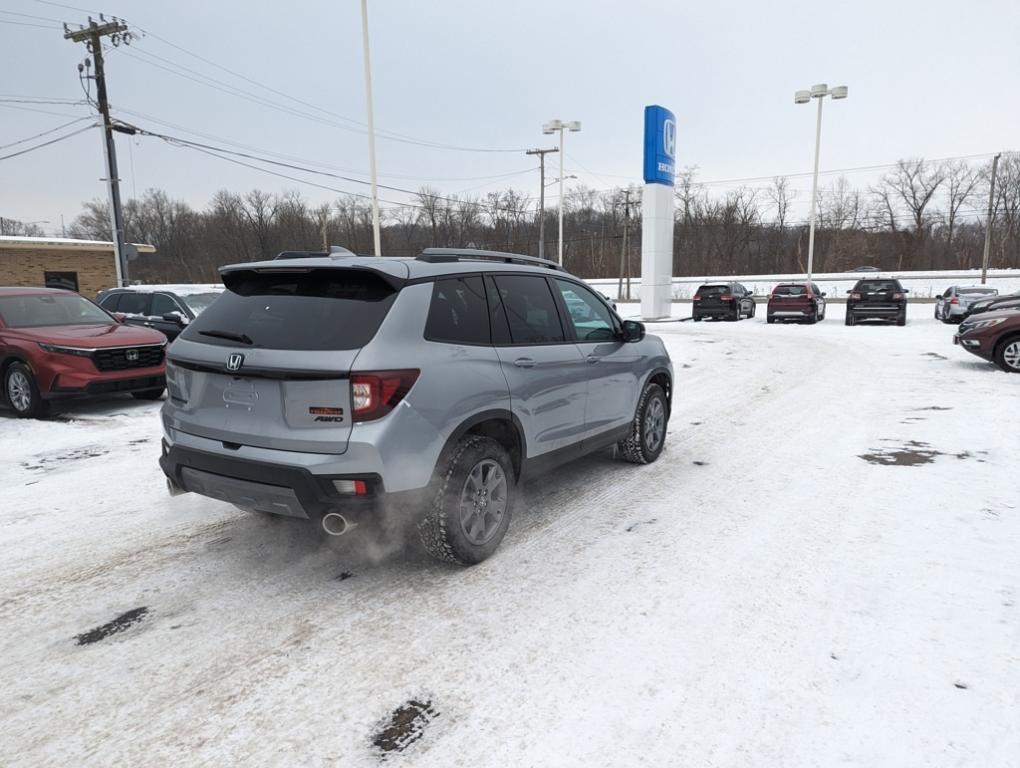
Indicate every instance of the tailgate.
{"type": "Point", "coordinates": [275, 405]}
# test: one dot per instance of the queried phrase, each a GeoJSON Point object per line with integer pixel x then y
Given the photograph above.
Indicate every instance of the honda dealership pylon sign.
{"type": "Point", "coordinates": [657, 212]}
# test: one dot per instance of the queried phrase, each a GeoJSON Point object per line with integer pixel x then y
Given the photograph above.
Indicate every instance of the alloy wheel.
{"type": "Point", "coordinates": [1011, 355]}
{"type": "Point", "coordinates": [19, 391]}
{"type": "Point", "coordinates": [483, 501]}
{"type": "Point", "coordinates": [655, 424]}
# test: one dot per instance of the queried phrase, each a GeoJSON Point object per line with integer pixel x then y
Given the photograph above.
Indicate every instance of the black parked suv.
{"type": "Point", "coordinates": [166, 308]}
{"type": "Point", "coordinates": [877, 300]}
{"type": "Point", "coordinates": [729, 301]}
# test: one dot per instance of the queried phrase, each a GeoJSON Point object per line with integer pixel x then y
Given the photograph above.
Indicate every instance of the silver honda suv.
{"type": "Point", "coordinates": [339, 388]}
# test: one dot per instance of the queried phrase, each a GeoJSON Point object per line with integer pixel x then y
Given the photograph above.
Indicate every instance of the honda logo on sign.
{"type": "Point", "coordinates": [669, 138]}
{"type": "Point", "coordinates": [131, 355]}
{"type": "Point", "coordinates": [234, 362]}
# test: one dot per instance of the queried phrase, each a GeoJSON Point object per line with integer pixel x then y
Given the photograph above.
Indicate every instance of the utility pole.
{"type": "Point", "coordinates": [92, 36]}
{"type": "Point", "coordinates": [624, 255]}
{"type": "Point", "coordinates": [988, 222]}
{"type": "Point", "coordinates": [541, 196]}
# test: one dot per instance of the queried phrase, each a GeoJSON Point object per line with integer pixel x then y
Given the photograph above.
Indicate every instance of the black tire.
{"type": "Point", "coordinates": [1006, 352]}
{"type": "Point", "coordinates": [149, 394]}
{"type": "Point", "coordinates": [769, 319]}
{"type": "Point", "coordinates": [901, 318]}
{"type": "Point", "coordinates": [754, 307]}
{"type": "Point", "coordinates": [849, 318]}
{"type": "Point", "coordinates": [696, 318]}
{"type": "Point", "coordinates": [735, 316]}
{"type": "Point", "coordinates": [645, 445]}
{"type": "Point", "coordinates": [813, 319]}
{"type": "Point", "coordinates": [22, 393]}
{"type": "Point", "coordinates": [442, 531]}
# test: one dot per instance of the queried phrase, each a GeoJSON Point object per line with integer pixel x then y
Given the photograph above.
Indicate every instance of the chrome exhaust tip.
{"type": "Point", "coordinates": [335, 524]}
{"type": "Point", "coordinates": [173, 488]}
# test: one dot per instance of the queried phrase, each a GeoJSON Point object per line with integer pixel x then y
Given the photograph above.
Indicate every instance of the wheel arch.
{"type": "Point", "coordinates": [1002, 341]}
{"type": "Point", "coordinates": [664, 379]}
{"type": "Point", "coordinates": [499, 424]}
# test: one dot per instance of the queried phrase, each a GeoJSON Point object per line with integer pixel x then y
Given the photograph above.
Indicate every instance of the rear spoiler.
{"type": "Point", "coordinates": [232, 274]}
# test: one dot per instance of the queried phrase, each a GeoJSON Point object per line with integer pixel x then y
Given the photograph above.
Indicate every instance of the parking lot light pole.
{"type": "Point", "coordinates": [819, 92]}
{"type": "Point", "coordinates": [552, 127]}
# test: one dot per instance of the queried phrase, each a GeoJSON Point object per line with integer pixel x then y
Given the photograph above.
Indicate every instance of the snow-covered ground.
{"type": "Point", "coordinates": [822, 569]}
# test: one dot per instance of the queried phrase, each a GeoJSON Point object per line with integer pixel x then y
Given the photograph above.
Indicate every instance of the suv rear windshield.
{"type": "Point", "coordinates": [315, 309]}
{"type": "Point", "coordinates": [976, 291]}
{"type": "Point", "coordinates": [713, 290]}
{"type": "Point", "coordinates": [789, 290]}
{"type": "Point", "coordinates": [878, 285]}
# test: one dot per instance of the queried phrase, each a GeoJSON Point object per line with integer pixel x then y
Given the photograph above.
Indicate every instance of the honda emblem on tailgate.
{"type": "Point", "coordinates": [234, 362]}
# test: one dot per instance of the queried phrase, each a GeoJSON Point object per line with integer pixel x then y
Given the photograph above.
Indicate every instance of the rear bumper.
{"type": "Point", "coordinates": [275, 488]}
{"type": "Point", "coordinates": [714, 311]}
{"type": "Point", "coordinates": [863, 311]}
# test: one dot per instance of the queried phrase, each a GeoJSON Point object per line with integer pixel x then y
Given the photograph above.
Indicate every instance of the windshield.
{"type": "Point", "coordinates": [315, 309]}
{"type": "Point", "coordinates": [198, 302]}
{"type": "Point", "coordinates": [789, 290]}
{"type": "Point", "coordinates": [51, 309]}
{"type": "Point", "coordinates": [872, 286]}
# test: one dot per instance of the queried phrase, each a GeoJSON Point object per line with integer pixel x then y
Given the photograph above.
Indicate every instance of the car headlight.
{"type": "Point", "coordinates": [977, 325]}
{"type": "Point", "coordinates": [77, 351]}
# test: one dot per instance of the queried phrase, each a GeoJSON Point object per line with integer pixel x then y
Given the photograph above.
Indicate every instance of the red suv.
{"type": "Point", "coordinates": [796, 301]}
{"type": "Point", "coordinates": [56, 344]}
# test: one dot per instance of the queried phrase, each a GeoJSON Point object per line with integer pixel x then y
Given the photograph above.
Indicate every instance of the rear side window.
{"type": "Point", "coordinates": [530, 309]}
{"type": "Point", "coordinates": [458, 312]}
{"type": "Point", "coordinates": [109, 303]}
{"type": "Point", "coordinates": [315, 309]}
{"type": "Point", "coordinates": [134, 303]}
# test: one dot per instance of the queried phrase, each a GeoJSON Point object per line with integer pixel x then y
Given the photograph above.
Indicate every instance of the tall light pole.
{"type": "Point", "coordinates": [552, 127]}
{"type": "Point", "coordinates": [371, 130]}
{"type": "Point", "coordinates": [819, 92]}
{"type": "Point", "coordinates": [988, 221]}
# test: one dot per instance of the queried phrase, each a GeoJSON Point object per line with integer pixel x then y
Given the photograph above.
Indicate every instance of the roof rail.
{"type": "Point", "coordinates": [440, 255]}
{"type": "Point", "coordinates": [334, 252]}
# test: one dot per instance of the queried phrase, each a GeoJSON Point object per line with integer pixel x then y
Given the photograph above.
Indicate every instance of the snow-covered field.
{"type": "Point", "coordinates": [823, 569]}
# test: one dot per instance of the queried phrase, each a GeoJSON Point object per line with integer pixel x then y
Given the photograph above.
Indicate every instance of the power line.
{"type": "Point", "coordinates": [40, 111]}
{"type": "Point", "coordinates": [44, 133]}
{"type": "Point", "coordinates": [32, 16]}
{"type": "Point", "coordinates": [29, 24]}
{"type": "Point", "coordinates": [47, 143]}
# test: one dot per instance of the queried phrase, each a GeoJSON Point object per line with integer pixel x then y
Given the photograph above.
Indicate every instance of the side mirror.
{"type": "Point", "coordinates": [824, 293]}
{"type": "Point", "coordinates": [906, 290]}
{"type": "Point", "coordinates": [175, 317]}
{"type": "Point", "coordinates": [849, 291]}
{"type": "Point", "coordinates": [633, 330]}
{"type": "Point", "coordinates": [120, 317]}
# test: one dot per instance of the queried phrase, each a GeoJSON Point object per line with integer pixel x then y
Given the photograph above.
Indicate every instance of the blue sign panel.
{"type": "Point", "coordinates": [660, 145]}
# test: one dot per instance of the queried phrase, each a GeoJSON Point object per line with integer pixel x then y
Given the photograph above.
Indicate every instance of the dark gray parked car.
{"type": "Point", "coordinates": [166, 308]}
{"type": "Point", "coordinates": [338, 387]}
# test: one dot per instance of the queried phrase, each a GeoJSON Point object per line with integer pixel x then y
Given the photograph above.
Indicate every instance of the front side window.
{"type": "Point", "coordinates": [134, 303]}
{"type": "Point", "coordinates": [591, 318]}
{"type": "Point", "coordinates": [51, 309]}
{"type": "Point", "coordinates": [109, 302]}
{"type": "Point", "coordinates": [162, 305]}
{"type": "Point", "coordinates": [458, 312]}
{"type": "Point", "coordinates": [530, 309]}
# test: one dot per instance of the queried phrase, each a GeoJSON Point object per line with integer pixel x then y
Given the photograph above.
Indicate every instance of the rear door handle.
{"type": "Point", "coordinates": [524, 362]}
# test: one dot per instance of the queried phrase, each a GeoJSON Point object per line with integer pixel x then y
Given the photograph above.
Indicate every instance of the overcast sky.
{"type": "Point", "coordinates": [927, 78]}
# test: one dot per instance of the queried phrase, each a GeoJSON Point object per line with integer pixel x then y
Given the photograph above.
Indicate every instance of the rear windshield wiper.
{"type": "Point", "coordinates": [241, 337]}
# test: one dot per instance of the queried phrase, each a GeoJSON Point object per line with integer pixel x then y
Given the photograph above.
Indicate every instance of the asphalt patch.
{"type": "Point", "coordinates": [700, 463]}
{"type": "Point", "coordinates": [934, 356]}
{"type": "Point", "coordinates": [119, 624]}
{"type": "Point", "coordinates": [343, 576]}
{"type": "Point", "coordinates": [933, 408]}
{"type": "Point", "coordinates": [634, 526]}
{"type": "Point", "coordinates": [911, 454]}
{"type": "Point", "coordinates": [405, 726]}
{"type": "Point", "coordinates": [49, 462]}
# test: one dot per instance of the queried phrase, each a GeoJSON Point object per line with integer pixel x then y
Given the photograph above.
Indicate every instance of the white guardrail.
{"type": "Point", "coordinates": [922, 285]}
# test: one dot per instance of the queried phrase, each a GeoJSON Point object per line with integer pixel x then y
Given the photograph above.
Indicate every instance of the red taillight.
{"type": "Point", "coordinates": [855, 296]}
{"type": "Point", "coordinates": [697, 297]}
{"type": "Point", "coordinates": [726, 297]}
{"type": "Point", "coordinates": [360, 487]}
{"type": "Point", "coordinates": [953, 300]}
{"type": "Point", "coordinates": [376, 393]}
{"type": "Point", "coordinates": [900, 296]}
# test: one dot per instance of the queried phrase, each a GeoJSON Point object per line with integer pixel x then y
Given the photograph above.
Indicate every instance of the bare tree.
{"type": "Point", "coordinates": [961, 182]}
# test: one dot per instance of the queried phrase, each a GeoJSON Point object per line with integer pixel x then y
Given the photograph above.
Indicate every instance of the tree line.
{"type": "Point", "coordinates": [919, 215]}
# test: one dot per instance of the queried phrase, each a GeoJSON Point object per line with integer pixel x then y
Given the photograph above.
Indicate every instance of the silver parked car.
{"type": "Point", "coordinates": [952, 306]}
{"type": "Point", "coordinates": [338, 388]}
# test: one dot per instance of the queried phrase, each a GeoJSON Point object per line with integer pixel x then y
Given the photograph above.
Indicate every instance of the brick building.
{"type": "Point", "coordinates": [86, 266]}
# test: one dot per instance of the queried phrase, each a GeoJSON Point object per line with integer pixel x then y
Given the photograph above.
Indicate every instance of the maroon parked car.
{"type": "Point", "coordinates": [56, 344]}
{"type": "Point", "coordinates": [994, 336]}
{"type": "Point", "coordinates": [802, 302]}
